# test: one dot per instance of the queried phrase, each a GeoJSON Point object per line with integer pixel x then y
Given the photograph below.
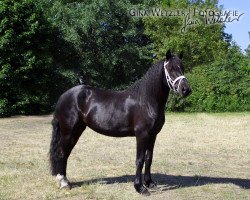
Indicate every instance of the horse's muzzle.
{"type": "Point", "coordinates": [186, 91]}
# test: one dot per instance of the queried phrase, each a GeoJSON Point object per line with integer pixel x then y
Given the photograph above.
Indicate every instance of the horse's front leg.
{"type": "Point", "coordinates": [141, 144]}
{"type": "Point", "coordinates": [148, 161]}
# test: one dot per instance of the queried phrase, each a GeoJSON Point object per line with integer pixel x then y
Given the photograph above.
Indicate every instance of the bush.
{"type": "Point", "coordinates": [222, 86]}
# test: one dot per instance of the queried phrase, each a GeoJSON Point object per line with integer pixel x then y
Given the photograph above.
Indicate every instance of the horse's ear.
{"type": "Point", "coordinates": [181, 55]}
{"type": "Point", "coordinates": [168, 55]}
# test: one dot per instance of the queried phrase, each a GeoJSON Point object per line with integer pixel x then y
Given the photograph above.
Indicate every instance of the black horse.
{"type": "Point", "coordinates": [137, 111]}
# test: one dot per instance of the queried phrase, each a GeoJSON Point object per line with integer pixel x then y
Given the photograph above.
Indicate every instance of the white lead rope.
{"type": "Point", "coordinates": [170, 81]}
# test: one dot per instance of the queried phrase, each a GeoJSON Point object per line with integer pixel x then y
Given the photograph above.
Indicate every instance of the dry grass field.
{"type": "Point", "coordinates": [197, 156]}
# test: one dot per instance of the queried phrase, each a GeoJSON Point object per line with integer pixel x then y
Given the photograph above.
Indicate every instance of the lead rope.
{"type": "Point", "coordinates": [170, 81]}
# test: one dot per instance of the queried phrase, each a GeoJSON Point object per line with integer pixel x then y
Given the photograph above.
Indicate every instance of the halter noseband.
{"type": "Point", "coordinates": [170, 81]}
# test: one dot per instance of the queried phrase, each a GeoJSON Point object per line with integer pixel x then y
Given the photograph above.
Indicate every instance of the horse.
{"type": "Point", "coordinates": [138, 111]}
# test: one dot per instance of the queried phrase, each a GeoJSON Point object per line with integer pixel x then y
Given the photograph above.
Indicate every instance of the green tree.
{"type": "Point", "coordinates": [25, 63]}
{"type": "Point", "coordinates": [111, 47]}
{"type": "Point", "coordinates": [222, 86]}
{"type": "Point", "coordinates": [216, 68]}
{"type": "Point", "coordinates": [201, 43]}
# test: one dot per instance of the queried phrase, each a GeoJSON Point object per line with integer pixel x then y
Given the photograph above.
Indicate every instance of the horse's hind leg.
{"type": "Point", "coordinates": [68, 138]}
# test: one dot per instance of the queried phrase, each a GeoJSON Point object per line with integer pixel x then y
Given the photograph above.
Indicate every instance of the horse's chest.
{"type": "Point", "coordinates": [158, 124]}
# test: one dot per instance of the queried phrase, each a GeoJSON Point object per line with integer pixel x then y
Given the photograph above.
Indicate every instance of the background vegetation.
{"type": "Point", "coordinates": [45, 46]}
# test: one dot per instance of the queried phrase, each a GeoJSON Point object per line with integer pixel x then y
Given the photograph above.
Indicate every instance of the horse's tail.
{"type": "Point", "coordinates": [54, 145]}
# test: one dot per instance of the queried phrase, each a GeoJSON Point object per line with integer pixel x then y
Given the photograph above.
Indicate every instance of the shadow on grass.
{"type": "Point", "coordinates": [170, 182]}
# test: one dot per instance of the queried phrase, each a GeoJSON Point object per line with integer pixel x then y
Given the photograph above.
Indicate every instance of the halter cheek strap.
{"type": "Point", "coordinates": [170, 81]}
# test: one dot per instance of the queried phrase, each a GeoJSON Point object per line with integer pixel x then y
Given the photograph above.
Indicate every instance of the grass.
{"type": "Point", "coordinates": [197, 156]}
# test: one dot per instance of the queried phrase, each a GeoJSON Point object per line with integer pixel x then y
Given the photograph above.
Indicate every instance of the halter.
{"type": "Point", "coordinates": [170, 81]}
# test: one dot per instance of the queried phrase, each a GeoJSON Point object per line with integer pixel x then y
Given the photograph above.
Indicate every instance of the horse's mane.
{"type": "Point", "coordinates": [150, 84]}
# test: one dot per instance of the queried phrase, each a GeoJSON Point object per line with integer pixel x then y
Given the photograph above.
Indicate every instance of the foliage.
{"type": "Point", "coordinates": [46, 45]}
{"type": "Point", "coordinates": [26, 71]}
{"type": "Point", "coordinates": [214, 65]}
{"type": "Point", "coordinates": [222, 86]}
{"type": "Point", "coordinates": [201, 43]}
{"type": "Point", "coordinates": [95, 39]}
{"type": "Point", "coordinates": [111, 46]}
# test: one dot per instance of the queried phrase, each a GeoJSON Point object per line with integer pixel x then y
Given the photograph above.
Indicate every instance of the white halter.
{"type": "Point", "coordinates": [170, 81]}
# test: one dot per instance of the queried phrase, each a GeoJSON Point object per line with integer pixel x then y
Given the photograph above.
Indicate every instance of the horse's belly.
{"type": "Point", "coordinates": [112, 131]}
{"type": "Point", "coordinates": [113, 118]}
{"type": "Point", "coordinates": [115, 126]}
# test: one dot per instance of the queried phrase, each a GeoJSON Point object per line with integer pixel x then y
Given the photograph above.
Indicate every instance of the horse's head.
{"type": "Point", "coordinates": [174, 74]}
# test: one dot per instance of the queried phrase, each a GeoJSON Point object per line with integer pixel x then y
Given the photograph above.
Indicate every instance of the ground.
{"type": "Point", "coordinates": [197, 156]}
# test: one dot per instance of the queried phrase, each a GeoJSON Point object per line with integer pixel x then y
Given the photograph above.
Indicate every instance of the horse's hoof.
{"type": "Point", "coordinates": [151, 185]}
{"type": "Point", "coordinates": [63, 182]}
{"type": "Point", "coordinates": [65, 187]}
{"type": "Point", "coordinates": [144, 191]}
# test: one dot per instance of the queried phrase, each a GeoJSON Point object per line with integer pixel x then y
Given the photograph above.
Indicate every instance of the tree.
{"type": "Point", "coordinates": [201, 43]}
{"type": "Point", "coordinates": [112, 49]}
{"type": "Point", "coordinates": [46, 45]}
{"type": "Point", "coordinates": [223, 86]}
{"type": "Point", "coordinates": [26, 65]}
{"type": "Point", "coordinates": [215, 67]}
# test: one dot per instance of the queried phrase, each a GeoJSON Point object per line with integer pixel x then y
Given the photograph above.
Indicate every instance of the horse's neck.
{"type": "Point", "coordinates": [160, 97]}
{"type": "Point", "coordinates": [150, 89]}
{"type": "Point", "coordinates": [153, 92]}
